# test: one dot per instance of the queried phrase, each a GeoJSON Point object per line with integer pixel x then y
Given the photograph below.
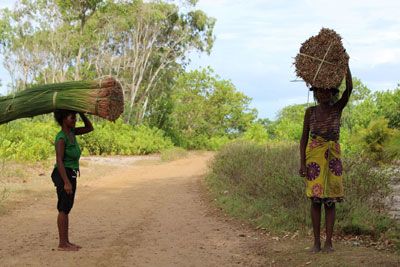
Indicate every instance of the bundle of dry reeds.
{"type": "Point", "coordinates": [103, 98]}
{"type": "Point", "coordinates": [322, 60]}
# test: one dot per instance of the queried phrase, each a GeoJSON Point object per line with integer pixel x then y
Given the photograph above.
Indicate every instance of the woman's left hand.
{"type": "Point", "coordinates": [303, 171]}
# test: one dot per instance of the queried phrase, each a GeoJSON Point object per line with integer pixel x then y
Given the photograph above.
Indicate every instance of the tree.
{"type": "Point", "coordinates": [388, 105]}
{"type": "Point", "coordinates": [205, 106]}
{"type": "Point", "coordinates": [289, 123]}
{"type": "Point", "coordinates": [136, 41]}
{"type": "Point", "coordinates": [79, 11]}
{"type": "Point", "coordinates": [360, 108]}
{"type": "Point", "coordinates": [147, 40]}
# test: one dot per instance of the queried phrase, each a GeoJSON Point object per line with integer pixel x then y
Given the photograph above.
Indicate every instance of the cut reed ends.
{"type": "Point", "coordinates": [103, 98]}
{"type": "Point", "coordinates": [322, 60]}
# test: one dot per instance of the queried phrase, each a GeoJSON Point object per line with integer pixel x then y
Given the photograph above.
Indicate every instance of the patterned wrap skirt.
{"type": "Point", "coordinates": [324, 171]}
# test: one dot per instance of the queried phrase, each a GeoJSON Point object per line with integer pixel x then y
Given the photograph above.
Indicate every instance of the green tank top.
{"type": "Point", "coordinates": [72, 151]}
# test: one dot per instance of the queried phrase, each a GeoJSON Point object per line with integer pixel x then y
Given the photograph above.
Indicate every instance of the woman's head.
{"type": "Point", "coordinates": [325, 96]}
{"type": "Point", "coordinates": [65, 117]}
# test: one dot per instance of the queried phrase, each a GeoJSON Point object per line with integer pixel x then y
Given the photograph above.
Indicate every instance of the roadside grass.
{"type": "Point", "coordinates": [174, 153]}
{"type": "Point", "coordinates": [22, 182]}
{"type": "Point", "coordinates": [260, 183]}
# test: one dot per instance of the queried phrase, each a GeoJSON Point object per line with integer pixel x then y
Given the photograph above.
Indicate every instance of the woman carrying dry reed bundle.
{"type": "Point", "coordinates": [321, 157]}
{"type": "Point", "coordinates": [66, 169]}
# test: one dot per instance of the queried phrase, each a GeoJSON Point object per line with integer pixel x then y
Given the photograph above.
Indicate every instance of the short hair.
{"type": "Point", "coordinates": [61, 114]}
{"type": "Point", "coordinates": [335, 93]}
{"type": "Point", "coordinates": [334, 90]}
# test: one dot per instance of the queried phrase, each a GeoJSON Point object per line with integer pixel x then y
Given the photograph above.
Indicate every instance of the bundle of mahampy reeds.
{"type": "Point", "coordinates": [103, 98]}
{"type": "Point", "coordinates": [322, 60]}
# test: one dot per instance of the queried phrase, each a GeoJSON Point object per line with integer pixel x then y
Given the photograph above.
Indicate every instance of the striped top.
{"type": "Point", "coordinates": [327, 127]}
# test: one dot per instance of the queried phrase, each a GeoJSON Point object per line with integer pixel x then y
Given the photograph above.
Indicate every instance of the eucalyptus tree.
{"type": "Point", "coordinates": [137, 41]}
{"type": "Point", "coordinates": [140, 41]}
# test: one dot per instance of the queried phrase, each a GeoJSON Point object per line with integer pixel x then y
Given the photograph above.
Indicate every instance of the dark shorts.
{"type": "Point", "coordinates": [65, 201]}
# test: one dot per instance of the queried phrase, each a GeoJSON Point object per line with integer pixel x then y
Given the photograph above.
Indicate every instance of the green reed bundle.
{"type": "Point", "coordinates": [103, 98]}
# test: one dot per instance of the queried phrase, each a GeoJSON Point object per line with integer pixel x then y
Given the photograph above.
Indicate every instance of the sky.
{"type": "Point", "coordinates": [256, 41]}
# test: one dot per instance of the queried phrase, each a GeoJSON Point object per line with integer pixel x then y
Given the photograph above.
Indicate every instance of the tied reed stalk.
{"type": "Point", "coordinates": [322, 60]}
{"type": "Point", "coordinates": [103, 98]}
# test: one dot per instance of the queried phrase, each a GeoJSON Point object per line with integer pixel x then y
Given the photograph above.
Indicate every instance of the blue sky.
{"type": "Point", "coordinates": [257, 40]}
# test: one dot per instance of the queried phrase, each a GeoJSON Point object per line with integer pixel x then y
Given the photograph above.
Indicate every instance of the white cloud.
{"type": "Point", "coordinates": [7, 3]}
{"type": "Point", "coordinates": [270, 28]}
{"type": "Point", "coordinates": [228, 36]}
{"type": "Point", "coordinates": [264, 36]}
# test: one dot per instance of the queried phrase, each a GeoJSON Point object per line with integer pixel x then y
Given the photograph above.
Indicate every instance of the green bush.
{"type": "Point", "coordinates": [122, 139]}
{"type": "Point", "coordinates": [216, 142]}
{"type": "Point", "coordinates": [261, 183]}
{"type": "Point", "coordinates": [257, 133]}
{"type": "Point", "coordinates": [392, 149]}
{"type": "Point", "coordinates": [375, 138]}
{"type": "Point", "coordinates": [33, 140]}
{"type": "Point", "coordinates": [27, 140]}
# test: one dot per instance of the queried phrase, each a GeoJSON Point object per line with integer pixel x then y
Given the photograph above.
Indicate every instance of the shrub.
{"type": "Point", "coordinates": [33, 140]}
{"type": "Point", "coordinates": [392, 149]}
{"type": "Point", "coordinates": [375, 138]}
{"type": "Point", "coordinates": [122, 139]}
{"type": "Point", "coordinates": [27, 140]}
{"type": "Point", "coordinates": [216, 142]}
{"type": "Point", "coordinates": [257, 133]}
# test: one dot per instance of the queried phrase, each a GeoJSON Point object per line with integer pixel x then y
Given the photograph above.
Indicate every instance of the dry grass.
{"type": "Point", "coordinates": [22, 183]}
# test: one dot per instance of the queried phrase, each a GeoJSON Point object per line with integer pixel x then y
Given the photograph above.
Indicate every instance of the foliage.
{"type": "Point", "coordinates": [215, 143]}
{"type": "Point", "coordinates": [388, 106]}
{"type": "Point", "coordinates": [33, 139]}
{"type": "Point", "coordinates": [122, 139]}
{"type": "Point", "coordinates": [205, 106]}
{"type": "Point", "coordinates": [392, 149]}
{"type": "Point", "coordinates": [289, 123]}
{"type": "Point", "coordinates": [256, 132]}
{"type": "Point", "coordinates": [26, 140]}
{"type": "Point", "coordinates": [360, 115]}
{"type": "Point", "coordinates": [375, 138]}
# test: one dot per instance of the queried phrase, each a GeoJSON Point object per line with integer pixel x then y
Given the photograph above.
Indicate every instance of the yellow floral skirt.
{"type": "Point", "coordinates": [324, 170]}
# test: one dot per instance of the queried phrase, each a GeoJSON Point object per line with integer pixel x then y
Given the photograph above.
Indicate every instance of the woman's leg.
{"type": "Point", "coordinates": [69, 243]}
{"type": "Point", "coordinates": [62, 223]}
{"type": "Point", "coordinates": [330, 211]}
{"type": "Point", "coordinates": [64, 205]}
{"type": "Point", "coordinates": [316, 222]}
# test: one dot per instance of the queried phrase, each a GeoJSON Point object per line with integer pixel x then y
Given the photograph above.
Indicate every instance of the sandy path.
{"type": "Point", "coordinates": [144, 215]}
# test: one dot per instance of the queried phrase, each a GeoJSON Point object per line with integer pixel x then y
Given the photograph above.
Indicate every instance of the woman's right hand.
{"type": "Point", "coordinates": [303, 170]}
{"type": "Point", "coordinates": [68, 187]}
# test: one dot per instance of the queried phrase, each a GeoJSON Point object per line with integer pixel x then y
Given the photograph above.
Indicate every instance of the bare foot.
{"type": "Point", "coordinates": [74, 245]}
{"type": "Point", "coordinates": [316, 248]}
{"type": "Point", "coordinates": [67, 248]}
{"type": "Point", "coordinates": [328, 248]}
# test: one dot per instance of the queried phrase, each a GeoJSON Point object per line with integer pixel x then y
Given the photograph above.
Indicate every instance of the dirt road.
{"type": "Point", "coordinates": [146, 215]}
{"type": "Point", "coordinates": [149, 214]}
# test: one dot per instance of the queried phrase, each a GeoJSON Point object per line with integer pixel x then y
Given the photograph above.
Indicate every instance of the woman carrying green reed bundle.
{"type": "Point", "coordinates": [66, 169]}
{"type": "Point", "coordinates": [320, 157]}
